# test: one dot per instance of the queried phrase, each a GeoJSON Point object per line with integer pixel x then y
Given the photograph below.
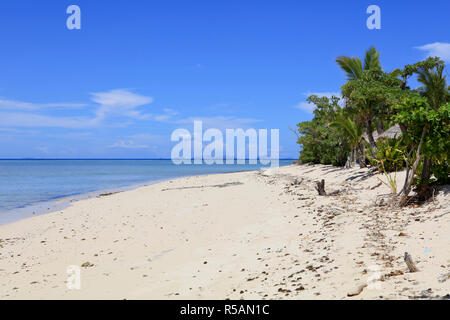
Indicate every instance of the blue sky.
{"type": "Point", "coordinates": [137, 70]}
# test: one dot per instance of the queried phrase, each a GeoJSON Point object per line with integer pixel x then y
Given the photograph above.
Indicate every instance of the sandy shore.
{"type": "Point", "coordinates": [248, 235]}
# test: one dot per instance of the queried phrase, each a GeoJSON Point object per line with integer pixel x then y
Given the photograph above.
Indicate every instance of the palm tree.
{"type": "Point", "coordinates": [354, 134]}
{"type": "Point", "coordinates": [354, 69]}
{"type": "Point", "coordinates": [434, 85]}
{"type": "Point", "coordinates": [436, 91]}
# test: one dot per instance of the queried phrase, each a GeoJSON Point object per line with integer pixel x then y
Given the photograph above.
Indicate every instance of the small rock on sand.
{"type": "Point", "coordinates": [357, 290]}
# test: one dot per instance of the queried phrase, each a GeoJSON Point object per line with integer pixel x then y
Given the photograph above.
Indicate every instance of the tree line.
{"type": "Point", "coordinates": [374, 103]}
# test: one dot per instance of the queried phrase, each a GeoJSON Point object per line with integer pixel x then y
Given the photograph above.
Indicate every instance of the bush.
{"type": "Point", "coordinates": [392, 153]}
{"type": "Point", "coordinates": [319, 142]}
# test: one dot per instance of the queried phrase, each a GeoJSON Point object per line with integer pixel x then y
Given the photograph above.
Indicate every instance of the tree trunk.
{"type": "Point", "coordinates": [424, 192]}
{"type": "Point", "coordinates": [408, 169]}
{"type": "Point", "coordinates": [426, 173]}
{"type": "Point", "coordinates": [320, 187]}
{"type": "Point", "coordinates": [409, 179]}
{"type": "Point", "coordinates": [380, 127]}
{"type": "Point", "coordinates": [372, 144]}
{"type": "Point", "coordinates": [405, 80]}
{"type": "Point", "coordinates": [403, 128]}
{"type": "Point", "coordinates": [350, 159]}
{"type": "Point", "coordinates": [362, 160]}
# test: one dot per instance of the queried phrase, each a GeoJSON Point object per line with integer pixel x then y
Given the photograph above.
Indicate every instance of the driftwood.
{"type": "Point", "coordinates": [320, 187]}
{"type": "Point", "coordinates": [334, 193]}
{"type": "Point", "coordinates": [376, 186]}
{"type": "Point", "coordinates": [410, 263]}
{"type": "Point", "coordinates": [107, 194]}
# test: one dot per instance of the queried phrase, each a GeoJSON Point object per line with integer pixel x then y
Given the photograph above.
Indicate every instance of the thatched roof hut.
{"type": "Point", "coordinates": [391, 133]}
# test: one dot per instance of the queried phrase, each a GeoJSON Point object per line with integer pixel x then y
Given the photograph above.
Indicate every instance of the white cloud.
{"type": "Point", "coordinates": [18, 131]}
{"type": "Point", "coordinates": [221, 122]}
{"type": "Point", "coordinates": [437, 49]}
{"type": "Point", "coordinates": [148, 137]}
{"type": "Point", "coordinates": [310, 107]}
{"type": "Point", "coordinates": [168, 114]}
{"type": "Point", "coordinates": [22, 119]}
{"type": "Point", "coordinates": [162, 117]}
{"type": "Point", "coordinates": [115, 108]}
{"type": "Point", "coordinates": [71, 135]}
{"type": "Point", "coordinates": [306, 106]}
{"type": "Point", "coordinates": [42, 149]}
{"type": "Point", "coordinates": [128, 144]}
{"type": "Point", "coordinates": [28, 106]}
{"type": "Point", "coordinates": [120, 102]}
{"type": "Point", "coordinates": [170, 111]}
{"type": "Point", "coordinates": [143, 141]}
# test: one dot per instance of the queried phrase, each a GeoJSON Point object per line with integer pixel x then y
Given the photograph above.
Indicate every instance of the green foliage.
{"type": "Point", "coordinates": [351, 128]}
{"type": "Point", "coordinates": [410, 69]}
{"type": "Point", "coordinates": [414, 112]}
{"type": "Point", "coordinates": [372, 92]}
{"type": "Point", "coordinates": [391, 154]}
{"type": "Point", "coordinates": [434, 85]}
{"type": "Point", "coordinates": [374, 97]}
{"type": "Point", "coordinates": [369, 91]}
{"type": "Point", "coordinates": [353, 66]}
{"type": "Point", "coordinates": [391, 179]}
{"type": "Point", "coordinates": [321, 143]}
{"type": "Point", "coordinates": [437, 145]}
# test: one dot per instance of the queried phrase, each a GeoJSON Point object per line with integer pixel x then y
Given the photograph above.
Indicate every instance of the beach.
{"type": "Point", "coordinates": [263, 234]}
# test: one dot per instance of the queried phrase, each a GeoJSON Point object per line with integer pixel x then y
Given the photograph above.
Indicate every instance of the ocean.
{"type": "Point", "coordinates": [33, 186]}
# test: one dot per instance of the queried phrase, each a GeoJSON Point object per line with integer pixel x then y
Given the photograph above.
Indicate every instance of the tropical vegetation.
{"type": "Point", "coordinates": [349, 129]}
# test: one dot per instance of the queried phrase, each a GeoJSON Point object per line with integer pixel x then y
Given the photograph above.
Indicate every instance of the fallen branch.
{"type": "Point", "coordinates": [376, 186]}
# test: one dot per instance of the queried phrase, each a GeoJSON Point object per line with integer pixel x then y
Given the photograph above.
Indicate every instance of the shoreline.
{"type": "Point", "coordinates": [246, 235]}
{"type": "Point", "coordinates": [63, 202]}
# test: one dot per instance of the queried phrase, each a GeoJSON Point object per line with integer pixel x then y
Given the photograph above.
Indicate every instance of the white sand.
{"type": "Point", "coordinates": [257, 237]}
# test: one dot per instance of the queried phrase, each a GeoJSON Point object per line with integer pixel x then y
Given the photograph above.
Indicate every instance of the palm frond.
{"type": "Point", "coordinates": [434, 85]}
{"type": "Point", "coordinates": [352, 66]}
{"type": "Point", "coordinates": [372, 59]}
{"type": "Point", "coordinates": [395, 73]}
{"type": "Point", "coordinates": [353, 130]}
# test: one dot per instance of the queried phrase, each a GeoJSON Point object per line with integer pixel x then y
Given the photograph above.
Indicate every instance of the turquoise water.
{"type": "Point", "coordinates": [25, 183]}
